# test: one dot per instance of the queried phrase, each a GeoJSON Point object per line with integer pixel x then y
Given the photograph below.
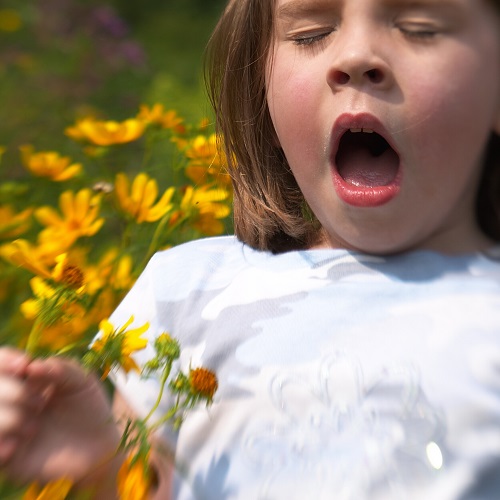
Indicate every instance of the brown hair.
{"type": "Point", "coordinates": [488, 197]}
{"type": "Point", "coordinates": [270, 212]}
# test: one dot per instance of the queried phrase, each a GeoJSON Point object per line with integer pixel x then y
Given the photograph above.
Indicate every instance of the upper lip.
{"type": "Point", "coordinates": [348, 121]}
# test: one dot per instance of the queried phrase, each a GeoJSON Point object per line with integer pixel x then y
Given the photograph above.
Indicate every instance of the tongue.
{"type": "Point", "coordinates": [360, 167]}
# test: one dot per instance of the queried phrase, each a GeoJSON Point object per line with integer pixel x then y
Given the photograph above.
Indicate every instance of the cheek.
{"type": "Point", "coordinates": [452, 107]}
{"type": "Point", "coordinates": [291, 100]}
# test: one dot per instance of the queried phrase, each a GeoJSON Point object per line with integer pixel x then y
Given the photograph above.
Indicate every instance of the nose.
{"type": "Point", "coordinates": [358, 59]}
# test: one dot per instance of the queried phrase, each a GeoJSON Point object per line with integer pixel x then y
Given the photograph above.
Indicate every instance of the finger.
{"type": "Point", "coordinates": [15, 391]}
{"type": "Point", "coordinates": [63, 375]}
{"type": "Point", "coordinates": [13, 361]}
{"type": "Point", "coordinates": [8, 447]}
{"type": "Point", "coordinates": [18, 405]}
{"type": "Point", "coordinates": [15, 421]}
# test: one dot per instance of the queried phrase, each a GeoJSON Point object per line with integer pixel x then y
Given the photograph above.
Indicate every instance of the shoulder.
{"type": "Point", "coordinates": [201, 252]}
{"type": "Point", "coordinates": [200, 255]}
{"type": "Point", "coordinates": [201, 264]}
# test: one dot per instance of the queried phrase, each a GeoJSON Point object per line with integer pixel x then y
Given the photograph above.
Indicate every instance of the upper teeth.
{"type": "Point", "coordinates": [366, 130]}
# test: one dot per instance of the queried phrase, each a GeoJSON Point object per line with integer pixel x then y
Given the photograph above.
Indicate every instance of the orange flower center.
{"type": "Point", "coordinates": [72, 276]}
{"type": "Point", "coordinates": [203, 381]}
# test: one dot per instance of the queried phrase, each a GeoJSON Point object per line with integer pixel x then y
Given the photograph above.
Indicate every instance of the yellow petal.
{"type": "Point", "coordinates": [66, 203]}
{"type": "Point", "coordinates": [69, 173]}
{"type": "Point", "coordinates": [122, 186]}
{"type": "Point", "coordinates": [82, 204]}
{"type": "Point", "coordinates": [138, 187]}
{"type": "Point", "coordinates": [106, 328]}
{"type": "Point", "coordinates": [47, 216]}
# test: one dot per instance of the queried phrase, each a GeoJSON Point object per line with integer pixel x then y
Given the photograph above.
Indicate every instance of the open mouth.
{"type": "Point", "coordinates": [365, 159]}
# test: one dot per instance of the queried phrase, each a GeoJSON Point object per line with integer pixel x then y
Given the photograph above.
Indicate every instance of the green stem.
{"type": "Point", "coordinates": [34, 337]}
{"type": "Point", "coordinates": [163, 381]}
{"type": "Point", "coordinates": [126, 235]}
{"type": "Point", "coordinates": [44, 318]}
{"type": "Point", "coordinates": [150, 141]}
{"type": "Point", "coordinates": [170, 413]}
{"type": "Point", "coordinates": [153, 246]}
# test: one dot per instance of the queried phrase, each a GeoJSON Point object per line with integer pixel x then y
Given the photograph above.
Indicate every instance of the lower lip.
{"type": "Point", "coordinates": [359, 196]}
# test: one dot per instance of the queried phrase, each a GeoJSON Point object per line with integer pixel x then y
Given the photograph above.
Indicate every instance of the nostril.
{"type": "Point", "coordinates": [341, 77]}
{"type": "Point", "coordinates": [375, 75]}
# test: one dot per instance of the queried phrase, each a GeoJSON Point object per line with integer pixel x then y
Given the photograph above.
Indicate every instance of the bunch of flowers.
{"type": "Point", "coordinates": [76, 233]}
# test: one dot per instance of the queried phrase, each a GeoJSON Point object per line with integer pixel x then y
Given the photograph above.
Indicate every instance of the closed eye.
{"type": "Point", "coordinates": [309, 40]}
{"type": "Point", "coordinates": [418, 33]}
{"type": "Point", "coordinates": [419, 29]}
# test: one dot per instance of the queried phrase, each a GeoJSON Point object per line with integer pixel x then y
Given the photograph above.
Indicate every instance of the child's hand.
{"type": "Point", "coordinates": [55, 420]}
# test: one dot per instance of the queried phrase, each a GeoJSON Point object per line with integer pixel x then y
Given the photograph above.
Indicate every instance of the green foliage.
{"type": "Point", "coordinates": [68, 58]}
{"type": "Point", "coordinates": [63, 60]}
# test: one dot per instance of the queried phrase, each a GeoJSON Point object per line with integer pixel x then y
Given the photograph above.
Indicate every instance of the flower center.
{"type": "Point", "coordinates": [72, 276]}
{"type": "Point", "coordinates": [203, 381]}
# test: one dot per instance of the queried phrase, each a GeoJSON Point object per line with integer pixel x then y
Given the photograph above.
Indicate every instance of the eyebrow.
{"type": "Point", "coordinates": [300, 8]}
{"type": "Point", "coordinates": [438, 4]}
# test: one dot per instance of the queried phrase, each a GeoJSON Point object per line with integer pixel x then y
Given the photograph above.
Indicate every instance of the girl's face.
{"type": "Point", "coordinates": [383, 109]}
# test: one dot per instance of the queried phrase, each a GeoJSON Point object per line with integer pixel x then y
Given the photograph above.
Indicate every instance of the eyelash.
{"type": "Point", "coordinates": [416, 34]}
{"type": "Point", "coordinates": [419, 33]}
{"type": "Point", "coordinates": [307, 41]}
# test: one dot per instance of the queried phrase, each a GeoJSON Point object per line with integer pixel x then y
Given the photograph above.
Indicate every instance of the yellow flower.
{"type": "Point", "coordinates": [65, 270]}
{"type": "Point", "coordinates": [203, 150]}
{"type": "Point", "coordinates": [133, 480]}
{"type": "Point", "coordinates": [204, 123]}
{"type": "Point", "coordinates": [10, 20]}
{"type": "Point", "coordinates": [58, 300]}
{"type": "Point", "coordinates": [138, 200]}
{"type": "Point", "coordinates": [79, 217]}
{"type": "Point", "coordinates": [112, 269]}
{"type": "Point", "coordinates": [158, 116]}
{"type": "Point", "coordinates": [205, 161]}
{"type": "Point", "coordinates": [68, 273]}
{"type": "Point", "coordinates": [106, 133]}
{"type": "Point", "coordinates": [67, 331]}
{"type": "Point", "coordinates": [103, 308]}
{"type": "Point", "coordinates": [115, 346]}
{"type": "Point", "coordinates": [31, 308]}
{"type": "Point", "coordinates": [71, 321]}
{"type": "Point", "coordinates": [34, 259]}
{"type": "Point", "coordinates": [12, 224]}
{"type": "Point", "coordinates": [206, 200]}
{"type": "Point", "coordinates": [54, 490]}
{"type": "Point", "coordinates": [49, 164]}
{"type": "Point", "coordinates": [204, 207]}
{"type": "Point", "coordinates": [122, 278]}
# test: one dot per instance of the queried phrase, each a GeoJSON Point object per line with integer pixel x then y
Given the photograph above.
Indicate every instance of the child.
{"type": "Point", "coordinates": [354, 323]}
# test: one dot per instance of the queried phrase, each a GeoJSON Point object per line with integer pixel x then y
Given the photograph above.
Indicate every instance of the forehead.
{"type": "Point", "coordinates": [285, 7]}
{"type": "Point", "coordinates": [487, 12]}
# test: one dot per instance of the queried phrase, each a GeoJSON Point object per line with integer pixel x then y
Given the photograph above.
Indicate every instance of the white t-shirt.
{"type": "Point", "coordinates": [341, 375]}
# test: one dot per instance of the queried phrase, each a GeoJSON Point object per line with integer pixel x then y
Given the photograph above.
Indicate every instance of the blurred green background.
{"type": "Point", "coordinates": [64, 59]}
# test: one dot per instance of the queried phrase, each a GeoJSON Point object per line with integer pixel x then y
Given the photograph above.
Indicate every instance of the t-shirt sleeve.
{"type": "Point", "coordinates": [139, 392]}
